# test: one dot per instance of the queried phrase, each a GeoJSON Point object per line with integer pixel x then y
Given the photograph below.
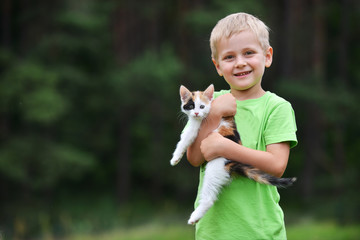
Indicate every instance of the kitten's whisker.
{"type": "Point", "coordinates": [205, 120]}
{"type": "Point", "coordinates": [183, 118]}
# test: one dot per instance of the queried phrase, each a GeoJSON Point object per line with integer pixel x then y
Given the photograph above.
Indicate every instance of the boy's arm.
{"type": "Point", "coordinates": [273, 161]}
{"type": "Point", "coordinates": [224, 105]}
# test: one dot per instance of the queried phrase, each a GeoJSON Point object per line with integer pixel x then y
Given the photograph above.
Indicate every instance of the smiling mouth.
{"type": "Point", "coordinates": [242, 74]}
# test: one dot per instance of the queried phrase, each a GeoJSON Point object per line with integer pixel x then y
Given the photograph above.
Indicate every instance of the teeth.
{"type": "Point", "coordinates": [242, 74]}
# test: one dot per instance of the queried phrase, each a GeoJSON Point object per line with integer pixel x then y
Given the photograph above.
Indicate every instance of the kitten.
{"type": "Point", "coordinates": [196, 105]}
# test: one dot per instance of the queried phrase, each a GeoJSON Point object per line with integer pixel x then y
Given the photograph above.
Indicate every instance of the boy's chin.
{"type": "Point", "coordinates": [241, 88]}
{"type": "Point", "coordinates": [244, 87]}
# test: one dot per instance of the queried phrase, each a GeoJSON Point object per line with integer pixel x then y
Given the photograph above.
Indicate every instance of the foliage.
{"type": "Point", "coordinates": [39, 163]}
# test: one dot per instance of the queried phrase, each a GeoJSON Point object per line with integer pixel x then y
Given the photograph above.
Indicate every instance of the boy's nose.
{"type": "Point", "coordinates": [240, 62]}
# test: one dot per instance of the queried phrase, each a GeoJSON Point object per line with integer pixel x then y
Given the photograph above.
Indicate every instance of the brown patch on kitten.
{"type": "Point", "coordinates": [228, 166]}
{"type": "Point", "coordinates": [204, 98]}
{"type": "Point", "coordinates": [256, 175]}
{"type": "Point", "coordinates": [224, 131]}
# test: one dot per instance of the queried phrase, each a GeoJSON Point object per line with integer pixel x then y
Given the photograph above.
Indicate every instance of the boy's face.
{"type": "Point", "coordinates": [242, 61]}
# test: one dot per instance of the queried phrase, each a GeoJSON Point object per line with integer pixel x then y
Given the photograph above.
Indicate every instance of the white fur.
{"type": "Point", "coordinates": [186, 139]}
{"type": "Point", "coordinates": [190, 133]}
{"type": "Point", "coordinates": [215, 177]}
{"type": "Point", "coordinates": [215, 174]}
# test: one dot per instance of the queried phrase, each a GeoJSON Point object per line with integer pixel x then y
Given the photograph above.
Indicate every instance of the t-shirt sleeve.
{"type": "Point", "coordinates": [281, 125]}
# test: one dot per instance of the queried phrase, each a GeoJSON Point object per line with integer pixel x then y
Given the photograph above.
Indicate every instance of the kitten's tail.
{"type": "Point", "coordinates": [259, 176]}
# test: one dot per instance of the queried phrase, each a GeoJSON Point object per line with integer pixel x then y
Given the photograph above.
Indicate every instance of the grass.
{"type": "Point", "coordinates": [323, 230]}
{"type": "Point", "coordinates": [143, 221]}
{"type": "Point", "coordinates": [145, 232]}
{"type": "Point", "coordinates": [307, 230]}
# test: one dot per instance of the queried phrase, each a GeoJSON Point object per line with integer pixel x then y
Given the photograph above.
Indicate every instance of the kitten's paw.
{"type": "Point", "coordinates": [174, 161]}
{"type": "Point", "coordinates": [192, 222]}
{"type": "Point", "coordinates": [194, 218]}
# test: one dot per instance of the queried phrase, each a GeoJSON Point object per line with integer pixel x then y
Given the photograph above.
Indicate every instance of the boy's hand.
{"type": "Point", "coordinates": [224, 105]}
{"type": "Point", "coordinates": [211, 147]}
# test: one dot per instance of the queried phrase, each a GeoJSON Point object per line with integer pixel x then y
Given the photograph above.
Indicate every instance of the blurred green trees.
{"type": "Point", "coordinates": [89, 101]}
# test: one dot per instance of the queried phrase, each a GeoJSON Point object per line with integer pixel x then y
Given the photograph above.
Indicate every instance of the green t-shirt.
{"type": "Point", "coordinates": [246, 209]}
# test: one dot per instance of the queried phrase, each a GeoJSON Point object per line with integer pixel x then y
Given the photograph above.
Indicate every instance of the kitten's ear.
{"type": "Point", "coordinates": [209, 92]}
{"type": "Point", "coordinates": [184, 93]}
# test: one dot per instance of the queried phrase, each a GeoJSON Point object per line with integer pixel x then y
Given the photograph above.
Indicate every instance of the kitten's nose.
{"type": "Point", "coordinates": [196, 114]}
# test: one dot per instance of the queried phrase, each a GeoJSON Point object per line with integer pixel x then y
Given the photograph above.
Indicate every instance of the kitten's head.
{"type": "Point", "coordinates": [196, 104]}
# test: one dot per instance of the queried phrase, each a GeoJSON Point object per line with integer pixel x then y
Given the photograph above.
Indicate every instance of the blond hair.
{"type": "Point", "coordinates": [235, 23]}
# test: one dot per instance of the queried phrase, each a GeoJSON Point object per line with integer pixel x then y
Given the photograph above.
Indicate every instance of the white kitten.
{"type": "Point", "coordinates": [197, 106]}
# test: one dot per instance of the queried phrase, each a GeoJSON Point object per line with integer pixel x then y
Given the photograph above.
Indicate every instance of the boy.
{"type": "Point", "coordinates": [245, 209]}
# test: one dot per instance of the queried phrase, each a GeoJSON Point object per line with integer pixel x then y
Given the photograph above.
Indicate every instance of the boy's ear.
{"type": "Point", "coordinates": [217, 67]}
{"type": "Point", "coordinates": [268, 57]}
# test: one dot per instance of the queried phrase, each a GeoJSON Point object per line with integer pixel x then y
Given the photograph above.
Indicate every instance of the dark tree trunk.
{"type": "Point", "coordinates": [314, 127]}
{"type": "Point", "coordinates": [123, 176]}
{"type": "Point", "coordinates": [6, 36]}
{"type": "Point", "coordinates": [340, 128]}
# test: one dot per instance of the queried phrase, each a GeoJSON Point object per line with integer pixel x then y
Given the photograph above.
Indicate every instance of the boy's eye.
{"type": "Point", "coordinates": [228, 57]}
{"type": "Point", "coordinates": [249, 52]}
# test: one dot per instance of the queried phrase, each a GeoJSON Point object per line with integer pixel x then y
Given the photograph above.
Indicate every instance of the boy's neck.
{"type": "Point", "coordinates": [252, 93]}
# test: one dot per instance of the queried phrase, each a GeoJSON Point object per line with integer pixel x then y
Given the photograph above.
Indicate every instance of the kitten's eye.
{"type": "Point", "coordinates": [189, 106]}
{"type": "Point", "coordinates": [202, 106]}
